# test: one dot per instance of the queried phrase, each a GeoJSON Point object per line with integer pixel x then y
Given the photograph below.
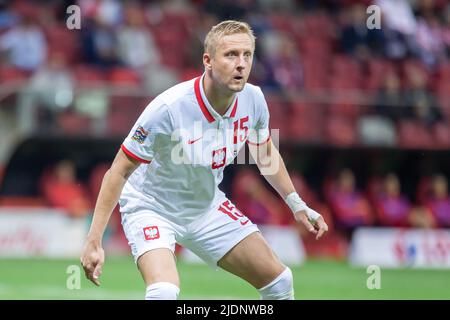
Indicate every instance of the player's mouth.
{"type": "Point", "coordinates": [238, 78]}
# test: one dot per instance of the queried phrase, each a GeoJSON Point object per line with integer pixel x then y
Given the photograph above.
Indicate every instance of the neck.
{"type": "Point", "coordinates": [219, 100]}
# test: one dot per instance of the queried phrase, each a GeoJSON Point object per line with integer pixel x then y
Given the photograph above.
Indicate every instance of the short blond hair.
{"type": "Point", "coordinates": [226, 28]}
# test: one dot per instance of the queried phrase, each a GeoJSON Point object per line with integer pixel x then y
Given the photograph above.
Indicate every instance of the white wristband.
{"type": "Point", "coordinates": [296, 204]}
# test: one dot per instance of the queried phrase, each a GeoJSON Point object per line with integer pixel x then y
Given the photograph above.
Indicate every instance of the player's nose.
{"type": "Point", "coordinates": [241, 62]}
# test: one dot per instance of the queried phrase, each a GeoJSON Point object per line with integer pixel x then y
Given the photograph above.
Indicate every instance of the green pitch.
{"type": "Point", "coordinates": [48, 279]}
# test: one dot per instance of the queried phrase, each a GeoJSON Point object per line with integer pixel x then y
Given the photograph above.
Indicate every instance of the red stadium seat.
{"type": "Point", "coordinates": [377, 70]}
{"type": "Point", "coordinates": [279, 112]}
{"type": "Point", "coordinates": [444, 71]}
{"type": "Point", "coordinates": [412, 64]}
{"type": "Point", "coordinates": [443, 95]}
{"type": "Point", "coordinates": [314, 47]}
{"type": "Point", "coordinates": [316, 73]}
{"type": "Point", "coordinates": [72, 123]}
{"type": "Point", "coordinates": [348, 110]}
{"type": "Point", "coordinates": [88, 75]}
{"type": "Point", "coordinates": [123, 113]}
{"type": "Point", "coordinates": [341, 131]}
{"type": "Point", "coordinates": [183, 19]}
{"type": "Point", "coordinates": [412, 134]}
{"type": "Point", "coordinates": [306, 128]}
{"type": "Point", "coordinates": [124, 76]}
{"type": "Point", "coordinates": [63, 41]}
{"type": "Point", "coordinates": [441, 135]}
{"type": "Point", "coordinates": [11, 74]}
{"type": "Point", "coordinates": [423, 190]}
{"type": "Point", "coordinates": [345, 65]}
{"type": "Point", "coordinates": [306, 122]}
{"type": "Point", "coordinates": [282, 22]}
{"type": "Point", "coordinates": [189, 73]}
{"type": "Point", "coordinates": [318, 25]}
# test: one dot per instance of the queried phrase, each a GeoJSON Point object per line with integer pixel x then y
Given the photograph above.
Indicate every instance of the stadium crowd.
{"type": "Point", "coordinates": [383, 83]}
{"type": "Point", "coordinates": [328, 79]}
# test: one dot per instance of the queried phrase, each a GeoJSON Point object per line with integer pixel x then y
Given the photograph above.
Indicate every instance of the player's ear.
{"type": "Point", "coordinates": [207, 60]}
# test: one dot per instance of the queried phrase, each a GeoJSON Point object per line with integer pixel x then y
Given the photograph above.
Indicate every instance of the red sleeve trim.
{"type": "Point", "coordinates": [132, 155]}
{"type": "Point", "coordinates": [259, 144]}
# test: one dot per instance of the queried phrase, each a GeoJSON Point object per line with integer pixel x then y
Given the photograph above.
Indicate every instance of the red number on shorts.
{"type": "Point", "coordinates": [229, 213]}
{"type": "Point", "coordinates": [233, 212]}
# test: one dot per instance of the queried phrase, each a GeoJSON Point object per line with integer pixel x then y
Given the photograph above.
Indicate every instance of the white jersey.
{"type": "Point", "coordinates": [184, 146]}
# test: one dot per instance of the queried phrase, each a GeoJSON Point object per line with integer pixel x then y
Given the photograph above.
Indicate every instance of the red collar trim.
{"type": "Point", "coordinates": [202, 105]}
{"type": "Point", "coordinates": [233, 112]}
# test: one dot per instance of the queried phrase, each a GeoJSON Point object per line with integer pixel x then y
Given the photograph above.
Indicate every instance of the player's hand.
{"type": "Point", "coordinates": [317, 227]}
{"type": "Point", "coordinates": [92, 260]}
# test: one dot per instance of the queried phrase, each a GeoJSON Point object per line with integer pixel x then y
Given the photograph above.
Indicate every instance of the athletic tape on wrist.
{"type": "Point", "coordinates": [296, 204]}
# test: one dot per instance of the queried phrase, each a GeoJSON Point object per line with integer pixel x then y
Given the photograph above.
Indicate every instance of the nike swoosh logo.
{"type": "Point", "coordinates": [190, 141]}
{"type": "Point", "coordinates": [245, 222]}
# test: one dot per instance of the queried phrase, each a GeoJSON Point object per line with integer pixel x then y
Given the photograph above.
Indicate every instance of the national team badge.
{"type": "Point", "coordinates": [219, 157]}
{"type": "Point", "coordinates": [139, 135]}
{"type": "Point", "coordinates": [151, 233]}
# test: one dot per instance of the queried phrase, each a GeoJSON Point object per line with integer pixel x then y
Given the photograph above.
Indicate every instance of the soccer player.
{"type": "Point", "coordinates": [166, 175]}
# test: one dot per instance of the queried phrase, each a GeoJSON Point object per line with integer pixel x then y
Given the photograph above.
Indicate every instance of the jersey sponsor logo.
{"type": "Point", "coordinates": [191, 141]}
{"type": "Point", "coordinates": [151, 233]}
{"type": "Point", "coordinates": [140, 135]}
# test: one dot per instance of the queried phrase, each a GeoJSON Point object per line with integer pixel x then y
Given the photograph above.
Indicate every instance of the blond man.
{"type": "Point", "coordinates": [166, 174]}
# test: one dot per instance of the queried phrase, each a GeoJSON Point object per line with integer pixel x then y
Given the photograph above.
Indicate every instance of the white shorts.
{"type": "Point", "coordinates": [210, 237]}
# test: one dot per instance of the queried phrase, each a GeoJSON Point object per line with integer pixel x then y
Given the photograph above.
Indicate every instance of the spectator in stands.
{"type": "Point", "coordinates": [25, 45]}
{"type": "Point", "coordinates": [109, 11]}
{"type": "Point", "coordinates": [389, 100]}
{"type": "Point", "coordinates": [392, 207]}
{"type": "Point", "coordinates": [446, 30]}
{"type": "Point", "coordinates": [284, 64]}
{"type": "Point", "coordinates": [199, 29]}
{"type": "Point", "coordinates": [136, 46]}
{"type": "Point", "coordinates": [439, 201]}
{"type": "Point", "coordinates": [430, 39]}
{"type": "Point", "coordinates": [265, 64]}
{"type": "Point", "coordinates": [99, 42]}
{"type": "Point", "coordinates": [256, 201]}
{"type": "Point", "coordinates": [422, 105]}
{"type": "Point", "coordinates": [52, 88]}
{"type": "Point", "coordinates": [350, 207]}
{"type": "Point", "coordinates": [62, 190]}
{"type": "Point", "coordinates": [7, 17]}
{"type": "Point", "coordinates": [399, 26]}
{"type": "Point", "coordinates": [356, 39]}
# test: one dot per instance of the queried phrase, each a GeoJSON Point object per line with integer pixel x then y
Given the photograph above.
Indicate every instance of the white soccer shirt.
{"type": "Point", "coordinates": [185, 145]}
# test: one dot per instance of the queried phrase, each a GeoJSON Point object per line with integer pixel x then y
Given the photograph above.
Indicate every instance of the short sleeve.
{"type": "Point", "coordinates": [142, 141]}
{"type": "Point", "coordinates": [260, 133]}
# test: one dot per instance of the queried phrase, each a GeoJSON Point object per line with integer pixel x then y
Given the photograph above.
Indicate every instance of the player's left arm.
{"type": "Point", "coordinates": [272, 167]}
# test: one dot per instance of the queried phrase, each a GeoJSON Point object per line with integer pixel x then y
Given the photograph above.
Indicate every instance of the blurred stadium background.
{"type": "Point", "coordinates": [364, 119]}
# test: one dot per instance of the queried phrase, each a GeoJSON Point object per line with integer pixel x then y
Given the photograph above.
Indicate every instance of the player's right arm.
{"type": "Point", "coordinates": [93, 257]}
